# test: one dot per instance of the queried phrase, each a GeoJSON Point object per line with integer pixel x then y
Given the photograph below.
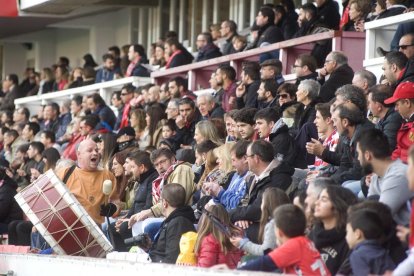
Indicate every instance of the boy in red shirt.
{"type": "Point", "coordinates": [295, 253]}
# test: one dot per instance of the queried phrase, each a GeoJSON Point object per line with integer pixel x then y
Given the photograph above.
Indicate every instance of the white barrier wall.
{"type": "Point", "coordinates": [30, 265]}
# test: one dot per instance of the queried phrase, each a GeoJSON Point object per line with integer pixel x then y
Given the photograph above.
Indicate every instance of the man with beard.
{"type": "Point", "coordinates": [177, 54]}
{"type": "Point", "coordinates": [206, 48]}
{"type": "Point", "coordinates": [107, 72]}
{"type": "Point", "coordinates": [266, 95]}
{"type": "Point", "coordinates": [226, 77]}
{"type": "Point", "coordinates": [178, 89]}
{"type": "Point", "coordinates": [389, 181]}
{"type": "Point", "coordinates": [186, 121]}
{"type": "Point", "coordinates": [139, 168]}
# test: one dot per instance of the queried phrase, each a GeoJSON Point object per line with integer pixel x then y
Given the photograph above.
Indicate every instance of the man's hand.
{"type": "Point", "coordinates": [139, 217]}
{"type": "Point", "coordinates": [241, 89]}
{"type": "Point", "coordinates": [211, 188]}
{"type": "Point", "coordinates": [368, 179]}
{"type": "Point", "coordinates": [179, 121]}
{"type": "Point", "coordinates": [243, 224]}
{"type": "Point", "coordinates": [315, 147]}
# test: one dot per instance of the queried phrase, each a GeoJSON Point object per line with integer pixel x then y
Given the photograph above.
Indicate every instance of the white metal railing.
{"type": "Point", "coordinates": [105, 89]}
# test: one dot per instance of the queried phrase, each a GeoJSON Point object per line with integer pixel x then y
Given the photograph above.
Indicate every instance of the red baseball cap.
{"type": "Point", "coordinates": [404, 90]}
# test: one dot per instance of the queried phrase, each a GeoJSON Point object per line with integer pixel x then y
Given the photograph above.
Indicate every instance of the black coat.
{"type": "Point", "coordinates": [143, 194]}
{"type": "Point", "coordinates": [182, 58]}
{"type": "Point", "coordinates": [106, 116]}
{"type": "Point", "coordinates": [208, 52]}
{"type": "Point", "coordinates": [390, 125]}
{"type": "Point", "coordinates": [165, 248]}
{"type": "Point", "coordinates": [9, 209]}
{"type": "Point", "coordinates": [311, 76]}
{"type": "Point", "coordinates": [8, 100]}
{"type": "Point", "coordinates": [269, 34]}
{"type": "Point", "coordinates": [332, 246]}
{"type": "Point", "coordinates": [185, 135]}
{"type": "Point", "coordinates": [249, 98]}
{"type": "Point", "coordinates": [283, 144]}
{"type": "Point", "coordinates": [140, 71]}
{"type": "Point", "coordinates": [341, 76]}
{"type": "Point", "coordinates": [391, 12]}
{"type": "Point", "coordinates": [328, 15]}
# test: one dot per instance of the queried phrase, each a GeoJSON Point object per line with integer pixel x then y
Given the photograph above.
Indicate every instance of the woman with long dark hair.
{"type": "Point", "coordinates": [155, 114]}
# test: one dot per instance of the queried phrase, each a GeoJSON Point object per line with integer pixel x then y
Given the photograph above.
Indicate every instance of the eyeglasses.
{"type": "Point", "coordinates": [283, 96]}
{"type": "Point", "coordinates": [403, 47]}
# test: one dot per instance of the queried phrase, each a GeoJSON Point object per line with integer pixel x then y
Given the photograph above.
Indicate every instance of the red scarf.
{"type": "Point", "coordinates": [125, 113]}
{"type": "Point", "coordinates": [171, 58]}
{"type": "Point", "coordinates": [345, 17]}
{"type": "Point", "coordinates": [158, 183]}
{"type": "Point", "coordinates": [131, 67]}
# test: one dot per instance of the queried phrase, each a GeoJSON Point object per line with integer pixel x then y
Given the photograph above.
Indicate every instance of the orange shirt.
{"type": "Point", "coordinates": [86, 186]}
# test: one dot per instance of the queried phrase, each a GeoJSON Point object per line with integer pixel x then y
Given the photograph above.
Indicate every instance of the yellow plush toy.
{"type": "Point", "coordinates": [187, 255]}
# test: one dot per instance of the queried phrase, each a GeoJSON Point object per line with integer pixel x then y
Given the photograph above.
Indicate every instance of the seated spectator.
{"type": "Point", "coordinates": [126, 139]}
{"type": "Point", "coordinates": [272, 199]}
{"type": "Point", "coordinates": [75, 78]}
{"type": "Point", "coordinates": [29, 131]}
{"type": "Point", "coordinates": [364, 232]}
{"type": "Point", "coordinates": [65, 118]}
{"type": "Point", "coordinates": [12, 141]}
{"type": "Point", "coordinates": [89, 61]}
{"type": "Point", "coordinates": [61, 78]}
{"type": "Point", "coordinates": [34, 165]}
{"type": "Point", "coordinates": [159, 56]}
{"type": "Point", "coordinates": [290, 226]}
{"type": "Point", "coordinates": [246, 91]}
{"type": "Point", "coordinates": [328, 14]}
{"type": "Point", "coordinates": [21, 116]}
{"type": "Point", "coordinates": [137, 57]}
{"type": "Point", "coordinates": [389, 120]}
{"type": "Point", "coordinates": [107, 72]}
{"type": "Point", "coordinates": [231, 127]}
{"type": "Point", "coordinates": [406, 45]}
{"type": "Point", "coordinates": [329, 230]}
{"type": "Point", "coordinates": [47, 79]}
{"type": "Point", "coordinates": [213, 245]}
{"type": "Point", "coordinates": [172, 109]}
{"type": "Point", "coordinates": [127, 94]}
{"type": "Point", "coordinates": [9, 209]}
{"type": "Point", "coordinates": [364, 79]}
{"type": "Point", "coordinates": [394, 7]}
{"type": "Point", "coordinates": [98, 107]}
{"type": "Point", "coordinates": [239, 43]}
{"type": "Point", "coordinates": [48, 139]}
{"type": "Point", "coordinates": [226, 77]}
{"type": "Point", "coordinates": [186, 121]}
{"type": "Point", "coordinates": [340, 73]}
{"type": "Point", "coordinates": [397, 69]}
{"type": "Point", "coordinates": [266, 94]}
{"type": "Point", "coordinates": [50, 120]}
{"type": "Point", "coordinates": [268, 34]}
{"type": "Point", "coordinates": [286, 95]}
{"type": "Point", "coordinates": [206, 131]}
{"type": "Point", "coordinates": [88, 76]}
{"type": "Point", "coordinates": [177, 88]}
{"type": "Point", "coordinates": [305, 68]}
{"type": "Point", "coordinates": [179, 219]}
{"type": "Point", "coordinates": [244, 119]}
{"type": "Point", "coordinates": [268, 172]}
{"type": "Point", "coordinates": [78, 135]}
{"type": "Point", "coordinates": [358, 13]}
{"type": "Point", "coordinates": [208, 107]}
{"type": "Point", "coordinates": [404, 104]}
{"type": "Point", "coordinates": [271, 128]}
{"type": "Point", "coordinates": [228, 30]}
{"type": "Point", "coordinates": [286, 23]}
{"type": "Point", "coordinates": [206, 48]}
{"type": "Point", "coordinates": [388, 182]}
{"type": "Point", "coordinates": [272, 69]}
{"type": "Point", "coordinates": [154, 117]}
{"type": "Point", "coordinates": [177, 54]}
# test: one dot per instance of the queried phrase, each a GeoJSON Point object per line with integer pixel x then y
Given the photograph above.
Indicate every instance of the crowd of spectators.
{"type": "Point", "coordinates": [313, 177]}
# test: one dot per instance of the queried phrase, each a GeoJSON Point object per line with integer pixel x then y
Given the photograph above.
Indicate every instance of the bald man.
{"type": "Point", "coordinates": [85, 182]}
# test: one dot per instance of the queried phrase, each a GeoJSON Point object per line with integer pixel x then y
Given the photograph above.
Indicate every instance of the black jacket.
{"type": "Point", "coordinates": [390, 125]}
{"type": "Point", "coordinates": [289, 26]}
{"type": "Point", "coordinates": [8, 100]}
{"type": "Point", "coordinates": [328, 15]}
{"type": "Point", "coordinates": [216, 112]}
{"type": "Point", "coordinates": [331, 244]}
{"type": "Point", "coordinates": [249, 98]}
{"type": "Point", "coordinates": [165, 248]}
{"type": "Point", "coordinates": [341, 76]}
{"type": "Point", "coordinates": [9, 209]}
{"type": "Point", "coordinates": [143, 194]}
{"type": "Point", "coordinates": [283, 144]}
{"type": "Point", "coordinates": [182, 58]}
{"type": "Point", "coordinates": [392, 12]}
{"type": "Point", "coordinates": [208, 52]}
{"type": "Point", "coordinates": [185, 135]}
{"type": "Point", "coordinates": [269, 34]}
{"type": "Point", "coordinates": [311, 76]}
{"type": "Point", "coordinates": [249, 209]}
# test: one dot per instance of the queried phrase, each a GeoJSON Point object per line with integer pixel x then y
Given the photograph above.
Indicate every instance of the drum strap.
{"type": "Point", "coordinates": [68, 173]}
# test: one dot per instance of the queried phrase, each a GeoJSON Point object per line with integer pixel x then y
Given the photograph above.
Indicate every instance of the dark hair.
{"type": "Point", "coordinates": [324, 109]}
{"type": "Point", "coordinates": [280, 9]}
{"type": "Point", "coordinates": [381, 92]}
{"type": "Point", "coordinates": [308, 60]}
{"type": "Point", "coordinates": [174, 194]}
{"type": "Point", "coordinates": [97, 99]}
{"type": "Point", "coordinates": [268, 114]}
{"type": "Point", "coordinates": [64, 61]}
{"type": "Point", "coordinates": [179, 81]}
{"type": "Point", "coordinates": [55, 107]}
{"type": "Point", "coordinates": [140, 158]}
{"type": "Point", "coordinates": [289, 4]}
{"type": "Point", "coordinates": [129, 88]}
{"type": "Point", "coordinates": [232, 25]}
{"type": "Point", "coordinates": [228, 70]}
{"type": "Point", "coordinates": [91, 120]}
{"type": "Point", "coordinates": [269, 13]}
{"type": "Point", "coordinates": [110, 146]}
{"type": "Point", "coordinates": [397, 58]}
{"type": "Point", "coordinates": [171, 34]}
{"type": "Point", "coordinates": [52, 155]}
{"type": "Point", "coordinates": [49, 135]}
{"type": "Point", "coordinates": [264, 150]}
{"type": "Point", "coordinates": [189, 101]}
{"type": "Point", "coordinates": [78, 100]}
{"type": "Point", "coordinates": [117, 94]}
{"type": "Point", "coordinates": [12, 132]}
{"type": "Point", "coordinates": [351, 113]}
{"type": "Point", "coordinates": [161, 152]}
{"type": "Point", "coordinates": [156, 114]}
{"type": "Point", "coordinates": [170, 123]}
{"type": "Point", "coordinates": [341, 198]}
{"type": "Point", "coordinates": [138, 48]}
{"type": "Point", "coordinates": [37, 146]}
{"type": "Point", "coordinates": [13, 78]}
{"type": "Point", "coordinates": [89, 61]}
{"type": "Point", "coordinates": [374, 141]}
{"type": "Point", "coordinates": [252, 69]}
{"type": "Point", "coordinates": [368, 222]}
{"type": "Point", "coordinates": [205, 146]}
{"type": "Point", "coordinates": [245, 115]}
{"type": "Point", "coordinates": [354, 94]}
{"type": "Point", "coordinates": [25, 112]}
{"type": "Point", "coordinates": [89, 72]}
{"type": "Point", "coordinates": [107, 56]}
{"type": "Point", "coordinates": [207, 36]}
{"type": "Point", "coordinates": [34, 127]}
{"type": "Point", "coordinates": [240, 148]}
{"type": "Point", "coordinates": [23, 148]}
{"type": "Point", "coordinates": [115, 49]}
{"type": "Point", "coordinates": [310, 8]}
{"type": "Point", "coordinates": [271, 86]}
{"type": "Point", "coordinates": [289, 88]}
{"type": "Point", "coordinates": [290, 219]}
{"type": "Point", "coordinates": [173, 41]}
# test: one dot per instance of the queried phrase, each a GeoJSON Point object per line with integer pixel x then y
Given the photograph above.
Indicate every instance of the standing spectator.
{"type": "Point", "coordinates": [340, 73]}
{"type": "Point", "coordinates": [137, 57]}
{"type": "Point", "coordinates": [404, 104]}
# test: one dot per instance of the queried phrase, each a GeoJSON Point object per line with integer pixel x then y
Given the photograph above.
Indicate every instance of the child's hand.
{"type": "Point", "coordinates": [235, 240]}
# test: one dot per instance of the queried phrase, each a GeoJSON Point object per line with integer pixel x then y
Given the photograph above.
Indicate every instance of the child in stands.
{"type": "Point", "coordinates": [272, 198]}
{"type": "Point", "coordinates": [213, 246]}
{"type": "Point", "coordinates": [296, 254]}
{"type": "Point", "coordinates": [364, 232]}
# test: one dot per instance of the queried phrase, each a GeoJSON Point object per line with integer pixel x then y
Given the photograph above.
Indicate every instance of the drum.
{"type": "Point", "coordinates": [60, 219]}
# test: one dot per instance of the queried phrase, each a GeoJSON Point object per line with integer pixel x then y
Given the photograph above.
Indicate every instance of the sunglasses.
{"type": "Point", "coordinates": [403, 47]}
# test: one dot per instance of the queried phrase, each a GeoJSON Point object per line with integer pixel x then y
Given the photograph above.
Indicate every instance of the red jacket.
{"type": "Point", "coordinates": [405, 138]}
{"type": "Point", "coordinates": [70, 151]}
{"type": "Point", "coordinates": [210, 254]}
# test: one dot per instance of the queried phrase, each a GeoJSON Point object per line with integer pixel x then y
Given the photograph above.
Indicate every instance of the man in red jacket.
{"type": "Point", "coordinates": [404, 104]}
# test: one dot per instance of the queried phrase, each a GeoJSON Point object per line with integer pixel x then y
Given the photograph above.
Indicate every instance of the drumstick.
{"type": "Point", "coordinates": [107, 189]}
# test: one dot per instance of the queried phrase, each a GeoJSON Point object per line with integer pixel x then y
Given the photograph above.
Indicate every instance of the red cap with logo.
{"type": "Point", "coordinates": [404, 90]}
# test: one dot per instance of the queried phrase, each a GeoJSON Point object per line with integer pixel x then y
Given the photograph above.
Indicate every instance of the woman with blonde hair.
{"type": "Point", "coordinates": [206, 130]}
